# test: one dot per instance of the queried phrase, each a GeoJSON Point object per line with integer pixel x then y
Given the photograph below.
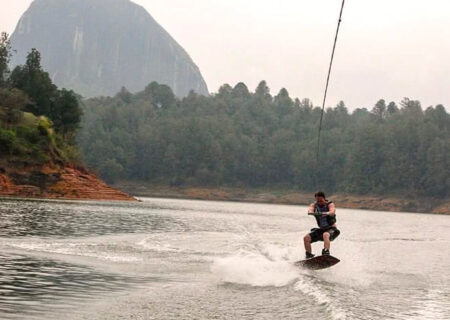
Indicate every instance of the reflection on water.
{"type": "Point", "coordinates": [29, 284]}
{"type": "Point", "coordinates": [69, 219]}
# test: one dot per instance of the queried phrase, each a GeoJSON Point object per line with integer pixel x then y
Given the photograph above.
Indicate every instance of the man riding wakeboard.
{"type": "Point", "coordinates": [325, 213]}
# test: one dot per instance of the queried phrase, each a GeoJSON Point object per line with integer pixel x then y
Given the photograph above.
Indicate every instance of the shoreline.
{"type": "Point", "coordinates": [122, 191]}
{"type": "Point", "coordinates": [70, 200]}
{"type": "Point", "coordinates": [287, 197]}
{"type": "Point", "coordinates": [63, 182]}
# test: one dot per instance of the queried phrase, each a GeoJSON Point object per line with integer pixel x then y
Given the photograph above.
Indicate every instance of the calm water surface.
{"type": "Point", "coordinates": [180, 259]}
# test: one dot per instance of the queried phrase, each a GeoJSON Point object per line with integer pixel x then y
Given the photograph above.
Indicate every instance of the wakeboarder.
{"type": "Point", "coordinates": [325, 213]}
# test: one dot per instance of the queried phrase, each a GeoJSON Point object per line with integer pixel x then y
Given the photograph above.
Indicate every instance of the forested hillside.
{"type": "Point", "coordinates": [38, 124]}
{"type": "Point", "coordinates": [38, 121]}
{"type": "Point", "coordinates": [241, 138]}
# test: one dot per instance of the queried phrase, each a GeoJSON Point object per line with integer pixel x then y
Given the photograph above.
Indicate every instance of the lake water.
{"type": "Point", "coordinates": [181, 259]}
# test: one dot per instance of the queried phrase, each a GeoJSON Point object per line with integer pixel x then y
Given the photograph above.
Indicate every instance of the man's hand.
{"type": "Point", "coordinates": [311, 210]}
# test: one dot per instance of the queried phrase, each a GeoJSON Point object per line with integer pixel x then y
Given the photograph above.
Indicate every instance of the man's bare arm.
{"type": "Point", "coordinates": [332, 209]}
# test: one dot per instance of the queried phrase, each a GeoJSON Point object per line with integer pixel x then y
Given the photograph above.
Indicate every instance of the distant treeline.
{"type": "Point", "coordinates": [38, 121]}
{"type": "Point", "coordinates": [240, 138]}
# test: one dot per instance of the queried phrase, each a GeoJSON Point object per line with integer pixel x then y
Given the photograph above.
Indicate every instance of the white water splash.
{"type": "Point", "coordinates": [81, 249]}
{"type": "Point", "coordinates": [158, 246]}
{"type": "Point", "coordinates": [355, 269]}
{"type": "Point", "coordinates": [265, 265]}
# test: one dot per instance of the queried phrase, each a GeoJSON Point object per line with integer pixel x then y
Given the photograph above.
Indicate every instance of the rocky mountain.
{"type": "Point", "coordinates": [97, 46]}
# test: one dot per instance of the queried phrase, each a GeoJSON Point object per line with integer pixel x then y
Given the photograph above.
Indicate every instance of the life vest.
{"type": "Point", "coordinates": [331, 220]}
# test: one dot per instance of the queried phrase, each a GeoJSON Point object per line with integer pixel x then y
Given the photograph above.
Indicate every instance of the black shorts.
{"type": "Point", "coordinates": [316, 234]}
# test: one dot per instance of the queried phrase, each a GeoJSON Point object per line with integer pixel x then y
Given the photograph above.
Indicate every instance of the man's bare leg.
{"type": "Point", "coordinates": [326, 240]}
{"type": "Point", "coordinates": [307, 242]}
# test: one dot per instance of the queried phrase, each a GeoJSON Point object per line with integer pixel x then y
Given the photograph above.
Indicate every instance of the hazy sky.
{"type": "Point", "coordinates": [387, 48]}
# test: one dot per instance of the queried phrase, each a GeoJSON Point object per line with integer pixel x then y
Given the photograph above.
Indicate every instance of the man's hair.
{"type": "Point", "coordinates": [319, 194]}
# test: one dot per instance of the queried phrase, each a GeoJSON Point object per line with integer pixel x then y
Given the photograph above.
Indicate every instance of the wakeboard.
{"type": "Point", "coordinates": [318, 263]}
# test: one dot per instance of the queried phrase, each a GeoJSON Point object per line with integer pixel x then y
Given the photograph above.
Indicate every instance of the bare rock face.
{"type": "Point", "coordinates": [97, 46]}
{"type": "Point", "coordinates": [56, 182]}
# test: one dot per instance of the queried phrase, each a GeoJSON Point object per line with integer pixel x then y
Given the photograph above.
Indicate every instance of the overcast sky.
{"type": "Point", "coordinates": [387, 48]}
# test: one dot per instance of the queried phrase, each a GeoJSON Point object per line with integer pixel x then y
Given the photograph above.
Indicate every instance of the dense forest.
{"type": "Point", "coordinates": [253, 139]}
{"type": "Point", "coordinates": [38, 121]}
{"type": "Point", "coordinates": [232, 138]}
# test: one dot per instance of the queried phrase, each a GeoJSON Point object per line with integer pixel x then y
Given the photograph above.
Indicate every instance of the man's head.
{"type": "Point", "coordinates": [320, 197]}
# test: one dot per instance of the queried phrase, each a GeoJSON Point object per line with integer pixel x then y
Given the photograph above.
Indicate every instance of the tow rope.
{"type": "Point", "coordinates": [326, 86]}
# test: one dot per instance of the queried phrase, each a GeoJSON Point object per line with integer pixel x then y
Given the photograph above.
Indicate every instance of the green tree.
{"type": "Point", "coordinates": [283, 103]}
{"type": "Point", "coordinates": [262, 92]}
{"type": "Point", "coordinates": [243, 138]}
{"type": "Point", "coordinates": [13, 101]}
{"type": "Point", "coordinates": [66, 113]}
{"type": "Point", "coordinates": [380, 109]}
{"type": "Point", "coordinates": [163, 97]}
{"type": "Point", "coordinates": [437, 177]}
{"type": "Point", "coordinates": [411, 107]}
{"type": "Point", "coordinates": [36, 83]}
{"type": "Point", "coordinates": [5, 56]}
{"type": "Point", "coordinates": [240, 91]}
{"type": "Point", "coordinates": [61, 106]}
{"type": "Point", "coordinates": [124, 95]}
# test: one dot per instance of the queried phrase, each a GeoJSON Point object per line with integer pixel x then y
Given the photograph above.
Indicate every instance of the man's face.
{"type": "Point", "coordinates": [320, 200]}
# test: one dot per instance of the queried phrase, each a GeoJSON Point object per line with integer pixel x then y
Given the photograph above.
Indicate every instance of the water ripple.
{"type": "Point", "coordinates": [68, 219]}
{"type": "Point", "coordinates": [28, 285]}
